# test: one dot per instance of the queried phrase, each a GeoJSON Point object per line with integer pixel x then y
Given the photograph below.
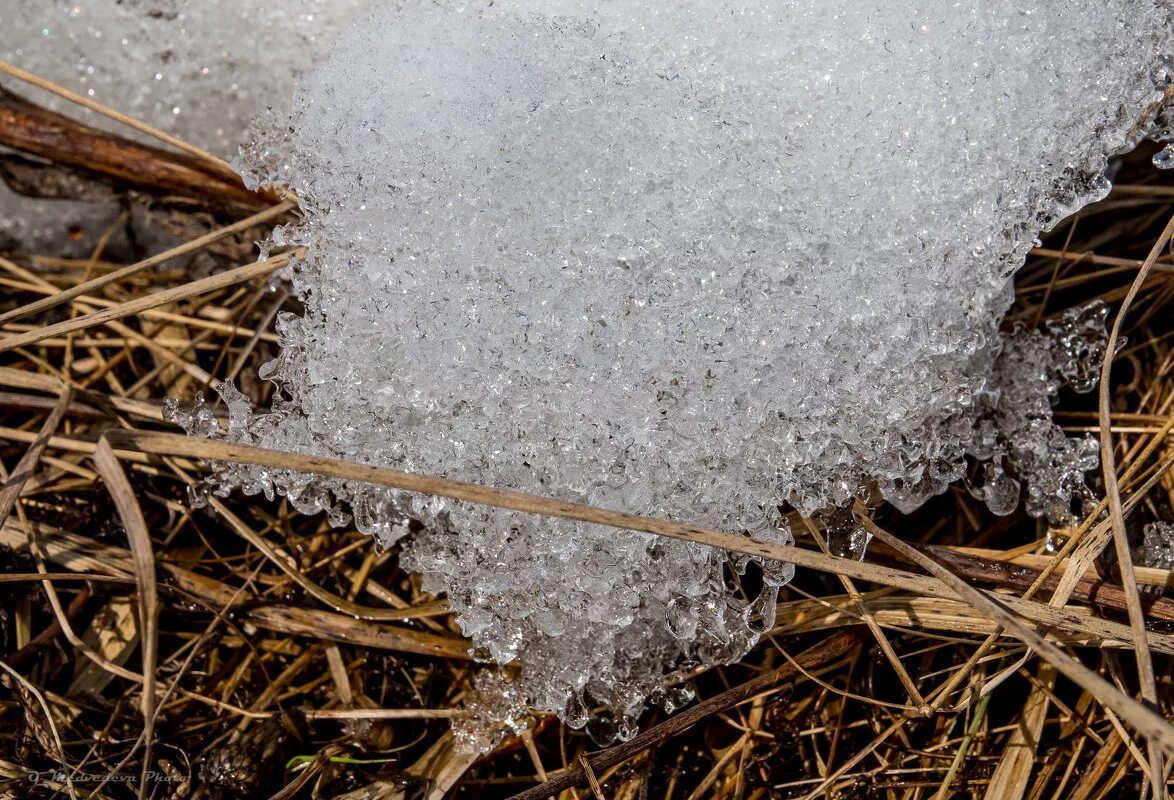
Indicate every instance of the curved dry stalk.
{"type": "Point", "coordinates": [11, 488]}
{"type": "Point", "coordinates": [144, 560]}
{"type": "Point", "coordinates": [1145, 664]}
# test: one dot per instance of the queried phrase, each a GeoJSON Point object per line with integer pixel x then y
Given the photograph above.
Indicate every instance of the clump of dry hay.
{"type": "Point", "coordinates": [247, 651]}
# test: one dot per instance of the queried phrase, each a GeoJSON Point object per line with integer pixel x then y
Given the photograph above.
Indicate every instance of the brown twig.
{"type": "Point", "coordinates": [1007, 575]}
{"type": "Point", "coordinates": [28, 128]}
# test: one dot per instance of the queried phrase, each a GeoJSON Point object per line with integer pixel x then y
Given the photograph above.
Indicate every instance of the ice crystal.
{"type": "Point", "coordinates": [845, 537]}
{"type": "Point", "coordinates": [1014, 424]}
{"type": "Point", "coordinates": [1158, 545]}
{"type": "Point", "coordinates": [496, 706]}
{"type": "Point", "coordinates": [1164, 158]}
{"type": "Point", "coordinates": [694, 260]}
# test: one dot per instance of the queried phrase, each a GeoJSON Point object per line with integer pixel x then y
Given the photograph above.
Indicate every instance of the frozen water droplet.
{"type": "Point", "coordinates": [775, 573]}
{"type": "Point", "coordinates": [682, 618]}
{"type": "Point", "coordinates": [760, 614]}
{"type": "Point", "coordinates": [1158, 544]}
{"type": "Point", "coordinates": [195, 417]}
{"type": "Point", "coordinates": [845, 537]}
{"type": "Point", "coordinates": [999, 490]}
{"type": "Point", "coordinates": [576, 714]}
{"type": "Point", "coordinates": [678, 696]}
{"type": "Point", "coordinates": [1054, 541]}
{"type": "Point", "coordinates": [603, 728]}
{"type": "Point", "coordinates": [1164, 158]}
{"type": "Point", "coordinates": [199, 494]}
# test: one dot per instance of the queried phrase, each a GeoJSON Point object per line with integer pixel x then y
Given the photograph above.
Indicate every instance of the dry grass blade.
{"type": "Point", "coordinates": [881, 640]}
{"type": "Point", "coordinates": [1015, 768]}
{"type": "Point", "coordinates": [199, 243]}
{"type": "Point", "coordinates": [137, 409]}
{"type": "Point", "coordinates": [592, 781]}
{"type": "Point", "coordinates": [129, 333]}
{"type": "Point", "coordinates": [1104, 761]}
{"type": "Point", "coordinates": [1146, 576]}
{"type": "Point", "coordinates": [84, 554]}
{"type": "Point", "coordinates": [909, 615]}
{"type": "Point", "coordinates": [1022, 573]}
{"type": "Point", "coordinates": [78, 553]}
{"type": "Point", "coordinates": [144, 560]}
{"type": "Point", "coordinates": [40, 697]}
{"type": "Point", "coordinates": [337, 602]}
{"type": "Point", "coordinates": [343, 628]}
{"type": "Point", "coordinates": [1085, 546]}
{"type": "Point", "coordinates": [20, 577]}
{"type": "Point", "coordinates": [119, 328]}
{"type": "Point", "coordinates": [442, 766]}
{"type": "Point", "coordinates": [10, 491]}
{"type": "Point", "coordinates": [114, 633]}
{"type": "Point", "coordinates": [153, 313]}
{"type": "Point", "coordinates": [132, 307]}
{"type": "Point", "coordinates": [385, 713]}
{"type": "Point", "coordinates": [1150, 724]}
{"type": "Point", "coordinates": [1090, 539]}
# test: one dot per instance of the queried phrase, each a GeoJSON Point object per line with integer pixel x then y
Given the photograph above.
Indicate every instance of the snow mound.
{"type": "Point", "coordinates": [694, 261]}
